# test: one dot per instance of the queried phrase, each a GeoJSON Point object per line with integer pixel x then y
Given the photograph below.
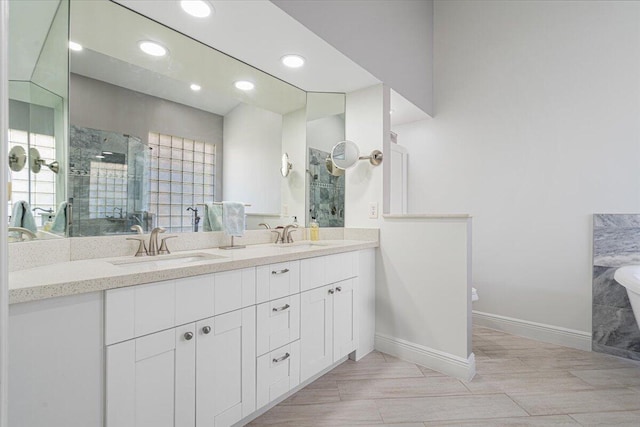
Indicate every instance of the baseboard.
{"type": "Point", "coordinates": [458, 367]}
{"type": "Point", "coordinates": [537, 331]}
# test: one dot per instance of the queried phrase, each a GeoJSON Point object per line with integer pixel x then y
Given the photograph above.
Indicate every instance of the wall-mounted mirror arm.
{"type": "Point", "coordinates": [375, 158]}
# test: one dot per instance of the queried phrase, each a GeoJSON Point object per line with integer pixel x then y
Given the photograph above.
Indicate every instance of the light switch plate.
{"type": "Point", "coordinates": [373, 210]}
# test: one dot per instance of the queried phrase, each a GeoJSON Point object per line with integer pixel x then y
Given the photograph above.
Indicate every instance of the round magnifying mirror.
{"type": "Point", "coordinates": [286, 166]}
{"type": "Point", "coordinates": [34, 160]}
{"type": "Point", "coordinates": [331, 167]}
{"type": "Point", "coordinates": [345, 154]}
{"type": "Point", "coordinates": [17, 158]}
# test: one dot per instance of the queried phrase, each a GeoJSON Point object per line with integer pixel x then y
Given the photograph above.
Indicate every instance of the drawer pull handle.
{"type": "Point", "coordinates": [188, 336]}
{"type": "Point", "coordinates": [206, 329]}
{"type": "Point", "coordinates": [339, 289]}
{"type": "Point", "coordinates": [281, 358]}
{"type": "Point", "coordinates": [284, 307]}
{"type": "Point", "coordinates": [286, 270]}
{"type": "Point", "coordinates": [331, 291]}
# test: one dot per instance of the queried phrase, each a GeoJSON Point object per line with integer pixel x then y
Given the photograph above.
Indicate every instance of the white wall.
{"type": "Point", "coordinates": [392, 39]}
{"type": "Point", "coordinates": [251, 158]}
{"type": "Point", "coordinates": [4, 170]}
{"type": "Point", "coordinates": [366, 125]}
{"type": "Point", "coordinates": [537, 128]}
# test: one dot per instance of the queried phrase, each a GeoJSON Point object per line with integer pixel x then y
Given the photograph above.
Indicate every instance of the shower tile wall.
{"type": "Point", "coordinates": [326, 192]}
{"type": "Point", "coordinates": [616, 242]}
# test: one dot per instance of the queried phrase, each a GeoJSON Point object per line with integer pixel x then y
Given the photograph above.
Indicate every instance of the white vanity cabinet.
{"type": "Point", "coordinates": [328, 319]}
{"type": "Point", "coordinates": [200, 373]}
{"type": "Point", "coordinates": [327, 326]}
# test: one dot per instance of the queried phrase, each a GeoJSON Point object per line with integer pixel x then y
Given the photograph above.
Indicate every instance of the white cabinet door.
{"type": "Point", "coordinates": [344, 325]}
{"type": "Point", "coordinates": [316, 331]}
{"type": "Point", "coordinates": [226, 372]}
{"type": "Point", "coordinates": [151, 380]}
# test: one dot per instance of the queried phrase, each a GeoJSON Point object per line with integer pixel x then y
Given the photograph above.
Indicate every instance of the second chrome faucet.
{"type": "Point", "coordinates": [153, 249]}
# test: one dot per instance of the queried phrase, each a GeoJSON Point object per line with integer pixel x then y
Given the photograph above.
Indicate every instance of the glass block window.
{"type": "Point", "coordinates": [182, 175]}
{"type": "Point", "coordinates": [42, 185]}
{"type": "Point", "coordinates": [107, 190]}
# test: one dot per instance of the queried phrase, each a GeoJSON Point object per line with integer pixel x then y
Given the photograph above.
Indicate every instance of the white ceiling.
{"type": "Point", "coordinates": [259, 33]}
{"type": "Point", "coordinates": [110, 35]}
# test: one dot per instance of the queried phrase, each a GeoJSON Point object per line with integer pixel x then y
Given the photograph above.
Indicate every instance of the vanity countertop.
{"type": "Point", "coordinates": [91, 275]}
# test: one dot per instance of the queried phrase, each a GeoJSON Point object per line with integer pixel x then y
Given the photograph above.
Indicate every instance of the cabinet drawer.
{"type": "Point", "coordinates": [139, 310]}
{"type": "Point", "coordinates": [278, 372]}
{"type": "Point", "coordinates": [277, 280]}
{"type": "Point", "coordinates": [324, 270]}
{"type": "Point", "coordinates": [278, 323]}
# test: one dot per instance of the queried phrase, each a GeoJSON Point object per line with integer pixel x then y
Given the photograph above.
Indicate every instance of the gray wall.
{"type": "Point", "coordinates": [98, 105]}
{"type": "Point", "coordinates": [392, 39]}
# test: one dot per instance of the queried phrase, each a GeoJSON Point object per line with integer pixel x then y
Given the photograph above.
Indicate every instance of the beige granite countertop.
{"type": "Point", "coordinates": [91, 275]}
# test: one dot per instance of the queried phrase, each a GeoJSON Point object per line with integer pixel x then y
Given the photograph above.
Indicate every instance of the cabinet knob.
{"type": "Point", "coordinates": [331, 291]}
{"type": "Point", "coordinates": [339, 289]}
{"type": "Point", "coordinates": [188, 335]}
{"type": "Point", "coordinates": [206, 329]}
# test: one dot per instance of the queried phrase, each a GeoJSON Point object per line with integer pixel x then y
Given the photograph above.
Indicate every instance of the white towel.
{"type": "Point", "coordinates": [22, 217]}
{"type": "Point", "coordinates": [60, 221]}
{"type": "Point", "coordinates": [474, 294]}
{"type": "Point", "coordinates": [212, 217]}
{"type": "Point", "coordinates": [233, 218]}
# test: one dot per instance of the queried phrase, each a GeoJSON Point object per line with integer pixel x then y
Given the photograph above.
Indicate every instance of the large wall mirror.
{"type": "Point", "coordinates": [154, 136]}
{"type": "Point", "coordinates": [38, 94]}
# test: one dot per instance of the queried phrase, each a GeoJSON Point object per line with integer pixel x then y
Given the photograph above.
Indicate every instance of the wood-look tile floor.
{"type": "Point", "coordinates": [519, 382]}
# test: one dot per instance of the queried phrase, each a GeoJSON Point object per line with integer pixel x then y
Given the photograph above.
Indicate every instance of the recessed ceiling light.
{"type": "Point", "coordinates": [194, 87]}
{"type": "Point", "coordinates": [152, 48]}
{"type": "Point", "coordinates": [244, 85]}
{"type": "Point", "coordinates": [75, 46]}
{"type": "Point", "coordinates": [197, 8]}
{"type": "Point", "coordinates": [292, 61]}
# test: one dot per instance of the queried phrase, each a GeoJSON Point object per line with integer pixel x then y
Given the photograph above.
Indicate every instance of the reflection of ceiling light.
{"type": "Point", "coordinates": [107, 153]}
{"type": "Point", "coordinates": [75, 46]}
{"type": "Point", "coordinates": [152, 48]}
{"type": "Point", "coordinates": [99, 157]}
{"type": "Point", "coordinates": [197, 8]}
{"type": "Point", "coordinates": [391, 111]}
{"type": "Point", "coordinates": [292, 61]}
{"type": "Point", "coordinates": [244, 85]}
{"type": "Point", "coordinates": [194, 87]}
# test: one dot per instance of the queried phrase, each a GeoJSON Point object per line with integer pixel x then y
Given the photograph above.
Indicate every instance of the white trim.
{"type": "Point", "coordinates": [537, 331]}
{"type": "Point", "coordinates": [458, 367]}
{"type": "Point", "coordinates": [4, 263]}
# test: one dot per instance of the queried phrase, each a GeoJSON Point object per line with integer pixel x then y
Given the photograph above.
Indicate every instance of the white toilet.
{"type": "Point", "coordinates": [629, 277]}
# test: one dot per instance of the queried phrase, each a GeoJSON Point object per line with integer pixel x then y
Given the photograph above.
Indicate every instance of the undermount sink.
{"type": "Point", "coordinates": [164, 260]}
{"type": "Point", "coordinates": [303, 244]}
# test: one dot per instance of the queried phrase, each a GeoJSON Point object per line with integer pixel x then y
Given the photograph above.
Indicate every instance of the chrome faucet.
{"type": "Point", "coordinates": [286, 233]}
{"type": "Point", "coordinates": [153, 241]}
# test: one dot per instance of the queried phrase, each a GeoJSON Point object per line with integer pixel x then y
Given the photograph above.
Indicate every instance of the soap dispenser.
{"type": "Point", "coordinates": [314, 229]}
